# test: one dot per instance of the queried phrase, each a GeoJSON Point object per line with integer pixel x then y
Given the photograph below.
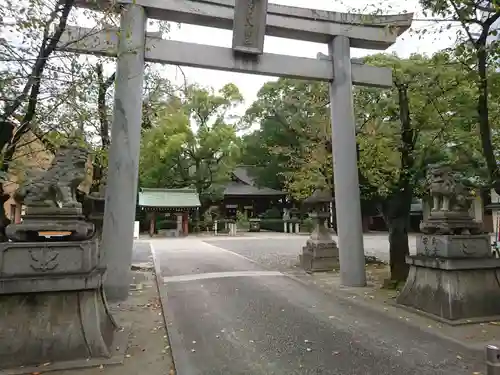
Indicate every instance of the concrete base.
{"type": "Point", "coordinates": [55, 327]}
{"type": "Point", "coordinates": [453, 289]}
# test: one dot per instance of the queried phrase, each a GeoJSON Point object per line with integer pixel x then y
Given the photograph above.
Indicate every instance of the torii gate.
{"type": "Point", "coordinates": [253, 19]}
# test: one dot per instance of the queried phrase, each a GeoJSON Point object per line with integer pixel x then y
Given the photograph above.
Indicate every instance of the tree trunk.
{"type": "Point", "coordinates": [398, 246]}
{"type": "Point", "coordinates": [98, 169]}
{"type": "Point", "coordinates": [483, 119]}
{"type": "Point", "coordinates": [396, 209]}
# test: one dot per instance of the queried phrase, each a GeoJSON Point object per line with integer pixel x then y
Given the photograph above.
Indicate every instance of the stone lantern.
{"type": "Point", "coordinates": [320, 253]}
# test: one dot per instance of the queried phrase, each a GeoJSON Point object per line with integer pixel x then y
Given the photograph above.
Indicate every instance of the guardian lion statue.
{"type": "Point", "coordinates": [56, 186]}
{"type": "Point", "coordinates": [448, 192]}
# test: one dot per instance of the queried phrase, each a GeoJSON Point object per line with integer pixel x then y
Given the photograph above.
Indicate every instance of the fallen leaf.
{"type": "Point", "coordinates": [458, 357]}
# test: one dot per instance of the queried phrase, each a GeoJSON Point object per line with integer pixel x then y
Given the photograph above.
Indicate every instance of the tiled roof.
{"type": "Point", "coordinates": [237, 188]}
{"type": "Point", "coordinates": [247, 186]}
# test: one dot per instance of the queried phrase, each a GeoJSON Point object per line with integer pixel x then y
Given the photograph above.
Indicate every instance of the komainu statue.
{"type": "Point", "coordinates": [448, 192]}
{"type": "Point", "coordinates": [56, 187]}
{"type": "Point", "coordinates": [451, 203]}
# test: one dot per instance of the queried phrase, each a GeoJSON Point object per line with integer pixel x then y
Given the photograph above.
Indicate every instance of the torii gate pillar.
{"type": "Point", "coordinates": [123, 162]}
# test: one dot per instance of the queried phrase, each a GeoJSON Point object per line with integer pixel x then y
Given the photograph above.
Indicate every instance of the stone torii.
{"type": "Point", "coordinates": [250, 21]}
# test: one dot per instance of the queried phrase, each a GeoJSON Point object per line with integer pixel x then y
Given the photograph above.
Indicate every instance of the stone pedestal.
{"type": "Point", "coordinates": [52, 307]}
{"type": "Point", "coordinates": [39, 219]}
{"type": "Point", "coordinates": [453, 277]}
{"type": "Point", "coordinates": [48, 327]}
{"type": "Point", "coordinates": [321, 253]}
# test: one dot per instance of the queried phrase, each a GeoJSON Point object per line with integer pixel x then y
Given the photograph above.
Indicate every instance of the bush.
{"type": "Point", "coordinates": [307, 225]}
{"type": "Point", "coordinates": [272, 213]}
{"type": "Point", "coordinates": [274, 225]}
{"type": "Point", "coordinates": [242, 221]}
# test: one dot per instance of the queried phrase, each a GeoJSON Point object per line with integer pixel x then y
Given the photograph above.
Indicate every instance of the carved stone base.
{"type": "Point", "coordinates": [54, 327]}
{"type": "Point", "coordinates": [450, 223]}
{"type": "Point", "coordinates": [454, 246]}
{"type": "Point", "coordinates": [44, 260]}
{"type": "Point", "coordinates": [453, 289]}
{"type": "Point", "coordinates": [319, 257]}
{"type": "Point", "coordinates": [40, 219]}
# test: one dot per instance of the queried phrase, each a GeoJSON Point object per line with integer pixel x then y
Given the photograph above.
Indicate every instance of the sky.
{"type": "Point", "coordinates": [249, 85]}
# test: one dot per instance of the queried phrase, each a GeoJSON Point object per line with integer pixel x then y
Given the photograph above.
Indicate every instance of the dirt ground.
{"type": "Point", "coordinates": [148, 347]}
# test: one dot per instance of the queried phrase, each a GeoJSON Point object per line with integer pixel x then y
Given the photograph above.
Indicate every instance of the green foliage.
{"type": "Point", "coordinates": [294, 139]}
{"type": "Point", "coordinates": [242, 220]}
{"type": "Point", "coordinates": [273, 225]}
{"type": "Point", "coordinates": [307, 225]}
{"type": "Point", "coordinates": [478, 50]}
{"type": "Point", "coordinates": [272, 213]}
{"type": "Point", "coordinates": [443, 121]}
{"type": "Point", "coordinates": [192, 142]}
{"type": "Point", "coordinates": [291, 149]}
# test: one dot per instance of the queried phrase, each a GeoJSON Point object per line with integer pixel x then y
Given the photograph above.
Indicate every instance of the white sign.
{"type": "Point", "coordinates": [136, 229]}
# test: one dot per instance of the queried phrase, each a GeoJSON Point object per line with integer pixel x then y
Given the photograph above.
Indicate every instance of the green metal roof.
{"type": "Point", "coordinates": [168, 198]}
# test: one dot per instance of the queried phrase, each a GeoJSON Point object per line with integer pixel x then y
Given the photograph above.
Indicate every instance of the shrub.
{"type": "Point", "coordinates": [274, 225]}
{"type": "Point", "coordinates": [242, 221]}
{"type": "Point", "coordinates": [272, 213]}
{"type": "Point", "coordinates": [307, 225]}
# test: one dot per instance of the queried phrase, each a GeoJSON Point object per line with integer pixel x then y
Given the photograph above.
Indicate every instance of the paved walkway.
{"type": "Point", "coordinates": [282, 251]}
{"type": "Point", "coordinates": [229, 315]}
